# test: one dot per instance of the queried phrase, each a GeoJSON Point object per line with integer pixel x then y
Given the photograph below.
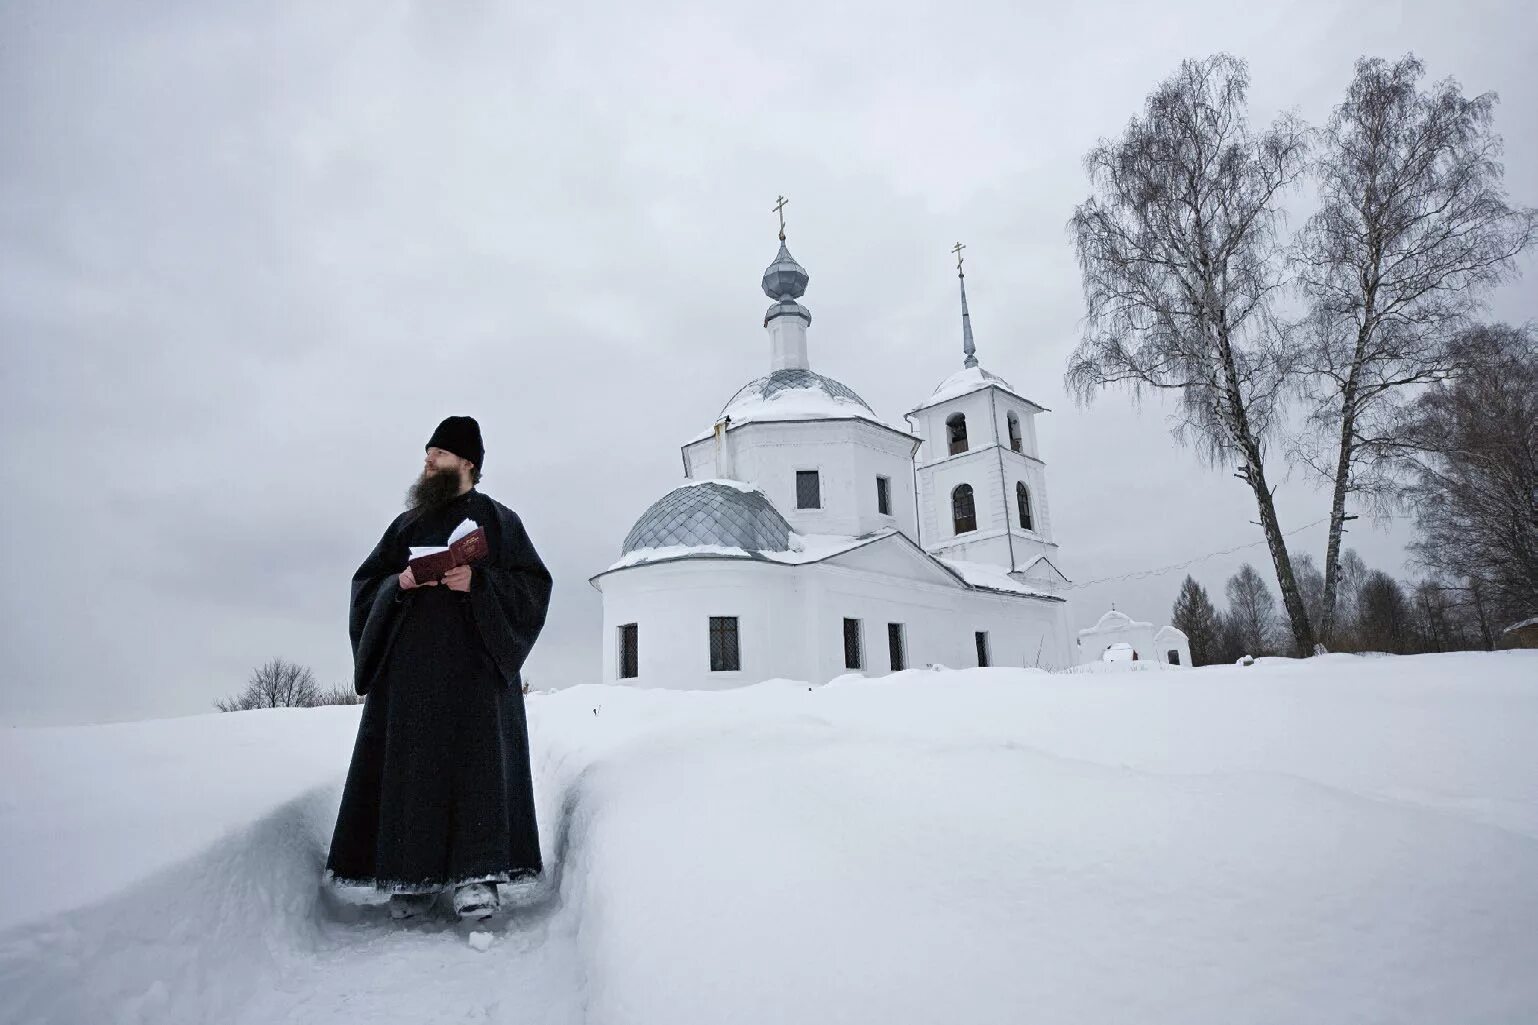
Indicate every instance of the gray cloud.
{"type": "Point", "coordinates": [249, 257]}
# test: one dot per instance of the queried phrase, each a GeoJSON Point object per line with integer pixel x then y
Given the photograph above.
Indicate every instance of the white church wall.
{"type": "Point", "coordinates": [847, 454]}
{"type": "Point", "coordinates": [1004, 404]}
{"type": "Point", "coordinates": [940, 623]}
{"type": "Point", "coordinates": [837, 593]}
{"type": "Point", "coordinates": [671, 604]}
{"type": "Point", "coordinates": [929, 424]}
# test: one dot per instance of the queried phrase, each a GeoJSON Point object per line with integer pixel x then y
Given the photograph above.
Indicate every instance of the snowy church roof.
{"type": "Point", "coordinates": [795, 390]}
{"type": "Point", "coordinates": [711, 514]}
{"type": "Point", "coordinates": [1113, 622]}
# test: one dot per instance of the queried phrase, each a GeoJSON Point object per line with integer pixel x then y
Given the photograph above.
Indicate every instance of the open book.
{"type": "Point", "coordinates": [467, 546]}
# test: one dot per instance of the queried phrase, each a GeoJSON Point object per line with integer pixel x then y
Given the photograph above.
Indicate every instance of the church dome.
{"type": "Point", "coordinates": [785, 279]}
{"type": "Point", "coordinates": [789, 386]}
{"type": "Point", "coordinates": [723, 514]}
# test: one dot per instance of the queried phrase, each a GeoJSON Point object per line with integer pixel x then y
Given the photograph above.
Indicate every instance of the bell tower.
{"type": "Point", "coordinates": [982, 484]}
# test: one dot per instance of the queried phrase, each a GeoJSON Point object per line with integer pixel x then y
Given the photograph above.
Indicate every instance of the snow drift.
{"type": "Point", "coordinates": [1337, 839]}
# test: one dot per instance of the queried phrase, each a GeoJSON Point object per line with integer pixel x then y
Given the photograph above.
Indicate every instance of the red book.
{"type": "Point", "coordinates": [466, 550]}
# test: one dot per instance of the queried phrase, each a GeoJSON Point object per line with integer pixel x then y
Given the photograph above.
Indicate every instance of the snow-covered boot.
{"type": "Point", "coordinates": [475, 900]}
{"type": "Point", "coordinates": [411, 905]}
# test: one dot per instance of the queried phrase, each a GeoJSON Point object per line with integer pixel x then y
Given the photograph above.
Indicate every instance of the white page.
{"type": "Point", "coordinates": [466, 526]}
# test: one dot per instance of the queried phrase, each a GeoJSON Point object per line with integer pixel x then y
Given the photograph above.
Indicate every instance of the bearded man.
{"type": "Point", "coordinates": [439, 794]}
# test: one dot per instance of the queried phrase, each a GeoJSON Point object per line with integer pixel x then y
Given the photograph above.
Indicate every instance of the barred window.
{"type": "Point", "coordinates": [854, 657]}
{"type": "Point", "coordinates": [1023, 500]}
{"type": "Point", "coordinates": [725, 656]}
{"type": "Point", "coordinates": [629, 655]}
{"type": "Point", "coordinates": [982, 649]}
{"type": "Point", "coordinates": [884, 496]}
{"type": "Point", "coordinates": [1015, 443]}
{"type": "Point", "coordinates": [956, 429]}
{"type": "Point", "coordinates": [896, 649]}
{"type": "Point", "coordinates": [963, 509]}
{"type": "Point", "coordinates": [808, 490]}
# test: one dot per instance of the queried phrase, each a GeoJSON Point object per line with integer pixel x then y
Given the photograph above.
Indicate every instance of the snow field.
{"type": "Point", "coordinates": [1341, 839]}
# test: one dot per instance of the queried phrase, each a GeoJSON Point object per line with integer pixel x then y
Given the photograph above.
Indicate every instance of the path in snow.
{"type": "Point", "coordinates": [245, 932]}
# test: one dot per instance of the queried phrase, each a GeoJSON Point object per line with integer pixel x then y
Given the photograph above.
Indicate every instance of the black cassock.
{"type": "Point", "coordinates": [439, 792]}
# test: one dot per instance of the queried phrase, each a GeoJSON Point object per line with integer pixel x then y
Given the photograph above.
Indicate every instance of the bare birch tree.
{"type": "Point", "coordinates": [1178, 252]}
{"type": "Point", "coordinates": [1413, 226]}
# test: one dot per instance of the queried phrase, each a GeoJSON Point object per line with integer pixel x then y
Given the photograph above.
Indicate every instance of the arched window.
{"type": "Point", "coordinates": [1015, 444]}
{"type": "Point", "coordinates": [963, 509]}
{"type": "Point", "coordinates": [956, 428]}
{"type": "Point", "coordinates": [1023, 500]}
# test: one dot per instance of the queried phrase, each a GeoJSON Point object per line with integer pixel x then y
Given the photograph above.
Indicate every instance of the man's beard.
{"type": "Point", "coordinates": [433, 490]}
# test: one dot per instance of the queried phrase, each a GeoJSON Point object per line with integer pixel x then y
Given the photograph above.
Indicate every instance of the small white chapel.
{"type": "Point", "coordinates": [810, 538]}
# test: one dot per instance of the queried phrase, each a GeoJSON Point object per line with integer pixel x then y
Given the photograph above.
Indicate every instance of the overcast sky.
{"type": "Point", "coordinates": [250, 254]}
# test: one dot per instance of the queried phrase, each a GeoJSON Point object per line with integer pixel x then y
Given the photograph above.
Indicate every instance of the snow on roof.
{"type": "Point", "coordinates": [804, 548]}
{"type": "Point", "coordinates": [1522, 625]}
{"type": "Point", "coordinates": [795, 404]}
{"type": "Point", "coordinates": [794, 394]}
{"type": "Point", "coordinates": [992, 578]}
{"type": "Point", "coordinates": [1171, 631]}
{"type": "Point", "coordinates": [968, 380]}
{"type": "Point", "coordinates": [1113, 622]}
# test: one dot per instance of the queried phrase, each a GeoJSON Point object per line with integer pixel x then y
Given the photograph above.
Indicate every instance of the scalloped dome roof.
{"type": "Point", "coordinates": [711, 513]}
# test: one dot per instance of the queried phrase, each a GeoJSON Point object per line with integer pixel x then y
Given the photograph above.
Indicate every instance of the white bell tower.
{"type": "Point", "coordinates": [982, 484]}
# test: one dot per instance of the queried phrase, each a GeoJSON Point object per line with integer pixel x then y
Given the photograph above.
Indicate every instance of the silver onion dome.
{"type": "Point", "coordinates": [710, 513]}
{"type": "Point", "coordinates": [785, 278]}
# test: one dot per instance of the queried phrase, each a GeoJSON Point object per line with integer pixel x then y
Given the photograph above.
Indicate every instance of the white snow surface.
{"type": "Point", "coordinates": [1336, 839]}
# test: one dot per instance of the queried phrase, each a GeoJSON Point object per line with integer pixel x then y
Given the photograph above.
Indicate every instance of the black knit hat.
{"type": "Point", "coordinates": [460, 435]}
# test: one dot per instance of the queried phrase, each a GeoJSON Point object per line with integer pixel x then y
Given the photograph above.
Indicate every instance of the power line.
{"type": "Point", "coordinates": [1161, 570]}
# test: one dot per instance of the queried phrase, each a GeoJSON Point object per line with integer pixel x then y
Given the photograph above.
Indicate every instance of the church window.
{"type": "Point", "coordinates": [808, 489]}
{"type": "Point", "coordinates": [1174, 657]}
{"type": "Point", "coordinates": [1023, 500]}
{"type": "Point", "coordinates": [896, 649]}
{"type": "Point", "coordinates": [725, 655]}
{"type": "Point", "coordinates": [956, 430]}
{"type": "Point", "coordinates": [884, 496]}
{"type": "Point", "coordinates": [854, 655]}
{"type": "Point", "coordinates": [981, 637]}
{"type": "Point", "coordinates": [963, 509]}
{"type": "Point", "coordinates": [1015, 442]}
{"type": "Point", "coordinates": [629, 660]}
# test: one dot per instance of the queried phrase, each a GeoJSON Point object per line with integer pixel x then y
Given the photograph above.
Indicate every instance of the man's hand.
{"type": "Point", "coordinates": [458, 578]}
{"type": "Point", "coordinates": [409, 580]}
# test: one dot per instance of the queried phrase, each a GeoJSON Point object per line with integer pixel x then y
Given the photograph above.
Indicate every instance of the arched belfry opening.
{"type": "Point", "coordinates": [956, 432]}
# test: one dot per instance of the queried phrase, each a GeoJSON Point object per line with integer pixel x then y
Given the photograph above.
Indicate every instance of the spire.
{"type": "Point", "coordinates": [966, 317]}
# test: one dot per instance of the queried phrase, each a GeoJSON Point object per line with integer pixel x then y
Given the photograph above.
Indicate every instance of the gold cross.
{"type": "Point", "coordinates": [957, 248]}
{"type": "Point", "coordinates": [779, 208]}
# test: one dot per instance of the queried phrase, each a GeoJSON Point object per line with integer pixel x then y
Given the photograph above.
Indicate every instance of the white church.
{"type": "Point", "coordinates": [811, 539]}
